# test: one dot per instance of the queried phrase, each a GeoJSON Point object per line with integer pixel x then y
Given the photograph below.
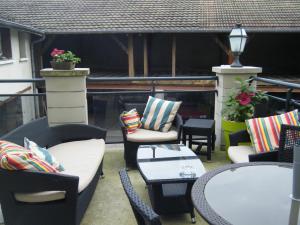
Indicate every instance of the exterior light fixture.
{"type": "Point", "coordinates": [237, 38]}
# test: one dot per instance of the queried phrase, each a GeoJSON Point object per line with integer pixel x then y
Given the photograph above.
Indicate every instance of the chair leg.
{"type": "Point", "coordinates": [102, 176]}
{"type": "Point", "coordinates": [193, 216]}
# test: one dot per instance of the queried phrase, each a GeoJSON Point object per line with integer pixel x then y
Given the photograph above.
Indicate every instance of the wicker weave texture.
{"type": "Point", "coordinates": [143, 213]}
{"type": "Point", "coordinates": [289, 137]}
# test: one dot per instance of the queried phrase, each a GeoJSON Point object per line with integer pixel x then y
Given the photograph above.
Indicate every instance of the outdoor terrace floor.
{"type": "Point", "coordinates": [110, 205]}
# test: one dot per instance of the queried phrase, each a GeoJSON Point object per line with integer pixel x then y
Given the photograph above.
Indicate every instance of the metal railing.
{"type": "Point", "coordinates": [289, 101]}
{"type": "Point", "coordinates": [150, 87]}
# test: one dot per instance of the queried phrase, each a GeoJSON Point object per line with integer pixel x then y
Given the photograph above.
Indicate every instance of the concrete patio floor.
{"type": "Point", "coordinates": [110, 205]}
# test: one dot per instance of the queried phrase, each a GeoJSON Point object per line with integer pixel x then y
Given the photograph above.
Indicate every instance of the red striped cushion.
{"type": "Point", "coordinates": [264, 132]}
{"type": "Point", "coordinates": [16, 157]}
{"type": "Point", "coordinates": [131, 120]}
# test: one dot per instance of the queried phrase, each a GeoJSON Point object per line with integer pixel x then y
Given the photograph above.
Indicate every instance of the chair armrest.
{"type": "Point", "coordinates": [179, 124]}
{"type": "Point", "coordinates": [30, 182]}
{"type": "Point", "coordinates": [74, 132]}
{"type": "Point", "coordinates": [123, 128]}
{"type": "Point", "coordinates": [264, 156]}
{"type": "Point", "coordinates": [238, 137]}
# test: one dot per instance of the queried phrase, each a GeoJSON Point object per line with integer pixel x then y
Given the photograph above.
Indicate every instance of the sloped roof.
{"type": "Point", "coordinates": [101, 16]}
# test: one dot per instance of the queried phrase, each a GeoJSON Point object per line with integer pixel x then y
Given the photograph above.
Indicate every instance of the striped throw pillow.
{"type": "Point", "coordinates": [43, 154]}
{"type": "Point", "coordinates": [159, 114]}
{"type": "Point", "coordinates": [16, 157]}
{"type": "Point", "coordinates": [264, 132]}
{"type": "Point", "coordinates": [131, 120]}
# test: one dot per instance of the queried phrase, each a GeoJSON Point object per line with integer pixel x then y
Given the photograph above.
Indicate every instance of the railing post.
{"type": "Point", "coordinates": [226, 82]}
{"type": "Point", "coordinates": [288, 99]}
{"type": "Point", "coordinates": [66, 96]}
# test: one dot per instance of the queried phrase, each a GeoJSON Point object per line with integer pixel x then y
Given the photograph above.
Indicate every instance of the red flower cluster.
{"type": "Point", "coordinates": [245, 98]}
{"type": "Point", "coordinates": [56, 52]}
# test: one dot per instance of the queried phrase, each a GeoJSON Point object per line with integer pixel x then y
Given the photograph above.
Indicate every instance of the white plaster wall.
{"type": "Point", "coordinates": [17, 68]}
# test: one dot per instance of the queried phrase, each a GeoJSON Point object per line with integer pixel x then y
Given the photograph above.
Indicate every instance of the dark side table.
{"type": "Point", "coordinates": [205, 129]}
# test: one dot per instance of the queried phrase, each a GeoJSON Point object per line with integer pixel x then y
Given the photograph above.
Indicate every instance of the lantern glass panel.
{"type": "Point", "coordinates": [243, 43]}
{"type": "Point", "coordinates": [235, 44]}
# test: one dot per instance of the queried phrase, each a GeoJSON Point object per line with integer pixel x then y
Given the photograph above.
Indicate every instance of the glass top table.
{"type": "Point", "coordinates": [168, 163]}
{"type": "Point", "coordinates": [247, 194]}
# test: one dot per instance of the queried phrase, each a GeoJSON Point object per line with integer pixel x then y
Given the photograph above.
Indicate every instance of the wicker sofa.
{"type": "Point", "coordinates": [146, 137]}
{"type": "Point", "coordinates": [35, 198]}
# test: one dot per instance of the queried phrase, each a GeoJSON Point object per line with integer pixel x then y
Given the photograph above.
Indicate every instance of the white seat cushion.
{"type": "Point", "coordinates": [143, 135]}
{"type": "Point", "coordinates": [240, 154]}
{"type": "Point", "coordinates": [79, 158]}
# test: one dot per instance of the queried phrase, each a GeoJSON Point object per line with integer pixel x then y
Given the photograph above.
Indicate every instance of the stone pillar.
{"type": "Point", "coordinates": [227, 81]}
{"type": "Point", "coordinates": [66, 96]}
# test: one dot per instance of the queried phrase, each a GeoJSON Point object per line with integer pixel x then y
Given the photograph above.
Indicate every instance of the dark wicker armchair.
{"type": "Point", "coordinates": [130, 147]}
{"type": "Point", "coordinates": [68, 211]}
{"type": "Point", "coordinates": [143, 213]}
{"type": "Point", "coordinates": [289, 136]}
{"type": "Point", "coordinates": [243, 137]}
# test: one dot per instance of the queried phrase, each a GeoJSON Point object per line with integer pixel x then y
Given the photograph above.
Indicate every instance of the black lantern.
{"type": "Point", "coordinates": [237, 38]}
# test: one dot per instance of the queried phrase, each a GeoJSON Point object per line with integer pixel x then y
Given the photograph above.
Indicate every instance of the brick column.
{"type": "Point", "coordinates": [224, 86]}
{"type": "Point", "coordinates": [66, 96]}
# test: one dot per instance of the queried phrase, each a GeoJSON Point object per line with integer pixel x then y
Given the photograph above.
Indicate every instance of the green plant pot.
{"type": "Point", "coordinates": [62, 65]}
{"type": "Point", "coordinates": [230, 127]}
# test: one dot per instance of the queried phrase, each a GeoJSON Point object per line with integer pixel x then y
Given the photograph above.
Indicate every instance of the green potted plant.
{"type": "Point", "coordinates": [63, 60]}
{"type": "Point", "coordinates": [240, 106]}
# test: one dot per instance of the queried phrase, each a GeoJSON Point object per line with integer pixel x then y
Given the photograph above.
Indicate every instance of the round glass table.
{"type": "Point", "coordinates": [245, 194]}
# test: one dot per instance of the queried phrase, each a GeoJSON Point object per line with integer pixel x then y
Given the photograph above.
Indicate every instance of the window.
{"type": "Point", "coordinates": [22, 44]}
{"type": "Point", "coordinates": [5, 44]}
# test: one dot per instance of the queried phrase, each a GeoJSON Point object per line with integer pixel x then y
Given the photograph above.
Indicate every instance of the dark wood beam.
{"type": "Point", "coordinates": [146, 65]}
{"type": "Point", "coordinates": [131, 71]}
{"type": "Point", "coordinates": [119, 43]}
{"type": "Point", "coordinates": [173, 56]}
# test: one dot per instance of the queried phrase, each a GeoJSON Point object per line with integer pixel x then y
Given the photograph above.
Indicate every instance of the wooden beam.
{"type": "Point", "coordinates": [225, 49]}
{"type": "Point", "coordinates": [174, 56]}
{"type": "Point", "coordinates": [48, 43]}
{"type": "Point", "coordinates": [130, 56]}
{"type": "Point", "coordinates": [146, 65]}
{"type": "Point", "coordinates": [120, 43]}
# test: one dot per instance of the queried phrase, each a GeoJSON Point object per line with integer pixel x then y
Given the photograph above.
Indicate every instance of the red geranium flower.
{"type": "Point", "coordinates": [56, 52]}
{"type": "Point", "coordinates": [244, 98]}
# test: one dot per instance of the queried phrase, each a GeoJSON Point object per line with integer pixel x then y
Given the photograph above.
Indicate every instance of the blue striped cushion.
{"type": "Point", "coordinates": [159, 114]}
{"type": "Point", "coordinates": [43, 154]}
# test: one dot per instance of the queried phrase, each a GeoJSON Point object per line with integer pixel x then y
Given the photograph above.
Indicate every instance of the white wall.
{"type": "Point", "coordinates": [17, 68]}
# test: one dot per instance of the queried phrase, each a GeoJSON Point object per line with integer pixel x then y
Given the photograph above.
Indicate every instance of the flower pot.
{"type": "Point", "coordinates": [62, 65]}
{"type": "Point", "coordinates": [231, 127]}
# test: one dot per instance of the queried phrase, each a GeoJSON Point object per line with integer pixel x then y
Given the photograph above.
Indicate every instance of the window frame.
{"type": "Point", "coordinates": [5, 42]}
{"type": "Point", "coordinates": [22, 45]}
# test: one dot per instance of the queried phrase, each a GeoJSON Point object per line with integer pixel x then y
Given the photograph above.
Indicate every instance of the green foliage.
{"type": "Point", "coordinates": [66, 57]}
{"type": "Point", "coordinates": [241, 102]}
{"type": "Point", "coordinates": [59, 55]}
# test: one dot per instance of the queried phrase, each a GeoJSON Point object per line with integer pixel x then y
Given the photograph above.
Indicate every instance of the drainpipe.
{"type": "Point", "coordinates": [36, 100]}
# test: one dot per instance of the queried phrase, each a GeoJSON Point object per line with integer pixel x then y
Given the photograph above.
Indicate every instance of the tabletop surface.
{"type": "Point", "coordinates": [250, 194]}
{"type": "Point", "coordinates": [199, 123]}
{"type": "Point", "coordinates": [161, 163]}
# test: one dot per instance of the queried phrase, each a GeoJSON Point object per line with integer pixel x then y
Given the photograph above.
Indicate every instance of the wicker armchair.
{"type": "Point", "coordinates": [143, 213]}
{"type": "Point", "coordinates": [247, 153]}
{"type": "Point", "coordinates": [131, 146]}
{"type": "Point", "coordinates": [289, 136]}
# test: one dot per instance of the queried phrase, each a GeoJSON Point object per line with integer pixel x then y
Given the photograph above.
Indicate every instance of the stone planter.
{"type": "Point", "coordinates": [231, 127]}
{"type": "Point", "coordinates": [62, 65]}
